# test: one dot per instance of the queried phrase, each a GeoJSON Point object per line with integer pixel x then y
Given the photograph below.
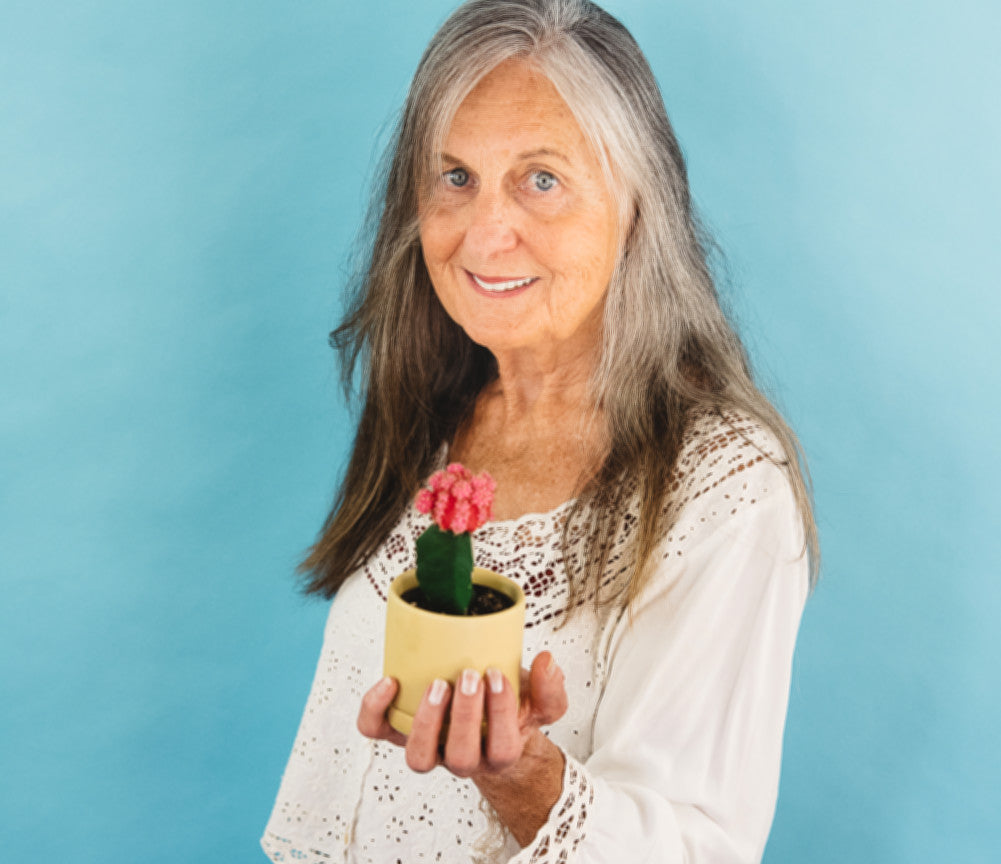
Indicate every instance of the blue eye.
{"type": "Point", "coordinates": [457, 177]}
{"type": "Point", "coordinates": [544, 181]}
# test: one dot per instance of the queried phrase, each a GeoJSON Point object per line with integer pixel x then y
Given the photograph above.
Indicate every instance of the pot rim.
{"type": "Point", "coordinates": [408, 579]}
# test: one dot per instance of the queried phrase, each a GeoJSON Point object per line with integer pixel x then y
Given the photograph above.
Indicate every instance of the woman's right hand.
{"type": "Point", "coordinates": [509, 722]}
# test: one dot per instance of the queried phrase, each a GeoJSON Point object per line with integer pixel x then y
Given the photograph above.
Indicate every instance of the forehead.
{"type": "Point", "coordinates": [517, 104]}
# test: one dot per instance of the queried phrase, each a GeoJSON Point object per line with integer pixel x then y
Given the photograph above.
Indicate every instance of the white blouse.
{"type": "Point", "coordinates": [673, 737]}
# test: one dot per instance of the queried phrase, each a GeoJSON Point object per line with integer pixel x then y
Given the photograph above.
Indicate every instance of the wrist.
{"type": "Point", "coordinates": [524, 793]}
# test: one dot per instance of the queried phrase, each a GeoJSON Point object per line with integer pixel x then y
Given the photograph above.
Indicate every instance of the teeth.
{"type": "Point", "coordinates": [502, 286]}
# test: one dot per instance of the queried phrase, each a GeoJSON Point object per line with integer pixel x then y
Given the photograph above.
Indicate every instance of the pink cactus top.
{"type": "Point", "coordinates": [458, 501]}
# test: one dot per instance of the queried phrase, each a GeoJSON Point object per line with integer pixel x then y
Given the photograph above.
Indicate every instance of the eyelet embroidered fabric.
{"type": "Point", "coordinates": [346, 798]}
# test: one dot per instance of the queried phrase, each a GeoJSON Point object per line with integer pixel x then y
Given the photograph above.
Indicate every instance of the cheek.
{"type": "Point", "coordinates": [587, 255]}
{"type": "Point", "coordinates": [440, 241]}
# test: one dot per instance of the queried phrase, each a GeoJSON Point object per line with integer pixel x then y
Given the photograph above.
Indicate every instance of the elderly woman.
{"type": "Point", "coordinates": [537, 303]}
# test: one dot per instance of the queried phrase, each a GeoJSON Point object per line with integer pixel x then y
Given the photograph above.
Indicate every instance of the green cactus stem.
{"type": "Point", "coordinates": [445, 569]}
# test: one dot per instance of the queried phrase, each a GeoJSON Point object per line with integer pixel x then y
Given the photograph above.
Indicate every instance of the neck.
{"type": "Point", "coordinates": [540, 384]}
{"type": "Point", "coordinates": [535, 429]}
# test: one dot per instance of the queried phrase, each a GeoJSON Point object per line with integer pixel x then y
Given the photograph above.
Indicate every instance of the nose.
{"type": "Point", "coordinates": [491, 228]}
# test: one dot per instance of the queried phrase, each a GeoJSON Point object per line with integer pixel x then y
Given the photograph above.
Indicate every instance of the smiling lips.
{"type": "Point", "coordinates": [501, 285]}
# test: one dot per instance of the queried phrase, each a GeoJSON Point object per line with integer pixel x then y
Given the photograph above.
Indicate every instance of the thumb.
{"type": "Point", "coordinates": [546, 684]}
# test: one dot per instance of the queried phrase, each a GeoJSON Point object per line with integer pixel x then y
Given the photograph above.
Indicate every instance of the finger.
{"type": "Point", "coordinates": [372, 722]}
{"type": "Point", "coordinates": [504, 742]}
{"type": "Point", "coordinates": [465, 725]}
{"type": "Point", "coordinates": [548, 690]}
{"type": "Point", "coordinates": [422, 743]}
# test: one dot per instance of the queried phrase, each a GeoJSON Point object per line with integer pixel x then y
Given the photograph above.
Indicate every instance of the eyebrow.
{"type": "Point", "coordinates": [528, 154]}
{"type": "Point", "coordinates": [543, 151]}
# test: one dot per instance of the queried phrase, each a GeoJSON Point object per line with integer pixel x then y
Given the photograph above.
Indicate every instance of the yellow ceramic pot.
{"type": "Point", "coordinates": [422, 645]}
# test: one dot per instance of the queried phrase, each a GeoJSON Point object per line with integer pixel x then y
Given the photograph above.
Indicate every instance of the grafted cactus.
{"type": "Point", "coordinates": [459, 503]}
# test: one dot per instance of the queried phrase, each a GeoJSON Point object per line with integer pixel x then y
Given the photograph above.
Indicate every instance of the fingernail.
{"type": "Point", "coordinates": [551, 667]}
{"type": "Point", "coordinates": [470, 682]}
{"type": "Point", "coordinates": [384, 685]}
{"type": "Point", "coordinates": [495, 680]}
{"type": "Point", "coordinates": [438, 690]}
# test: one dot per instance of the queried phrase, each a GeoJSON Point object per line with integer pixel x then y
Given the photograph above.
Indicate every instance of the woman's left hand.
{"type": "Point", "coordinates": [513, 759]}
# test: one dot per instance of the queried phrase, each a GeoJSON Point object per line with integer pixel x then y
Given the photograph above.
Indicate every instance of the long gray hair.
{"type": "Point", "coordinates": [667, 348]}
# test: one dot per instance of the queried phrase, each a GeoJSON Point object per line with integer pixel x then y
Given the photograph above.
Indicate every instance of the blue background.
{"type": "Point", "coordinates": [179, 186]}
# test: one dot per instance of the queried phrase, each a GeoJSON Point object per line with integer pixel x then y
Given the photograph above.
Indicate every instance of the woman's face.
{"type": "Point", "coordinates": [520, 237]}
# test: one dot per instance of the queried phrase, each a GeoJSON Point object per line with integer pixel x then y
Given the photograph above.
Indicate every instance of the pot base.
{"type": "Point", "coordinates": [400, 720]}
{"type": "Point", "coordinates": [404, 724]}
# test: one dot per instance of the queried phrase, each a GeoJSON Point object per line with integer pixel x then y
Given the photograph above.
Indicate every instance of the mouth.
{"type": "Point", "coordinates": [501, 285]}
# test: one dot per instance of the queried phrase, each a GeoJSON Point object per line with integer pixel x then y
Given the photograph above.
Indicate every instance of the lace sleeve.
{"type": "Point", "coordinates": [280, 849]}
{"type": "Point", "coordinates": [559, 838]}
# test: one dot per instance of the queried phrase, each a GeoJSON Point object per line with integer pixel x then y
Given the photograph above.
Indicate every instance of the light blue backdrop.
{"type": "Point", "coordinates": [179, 183]}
